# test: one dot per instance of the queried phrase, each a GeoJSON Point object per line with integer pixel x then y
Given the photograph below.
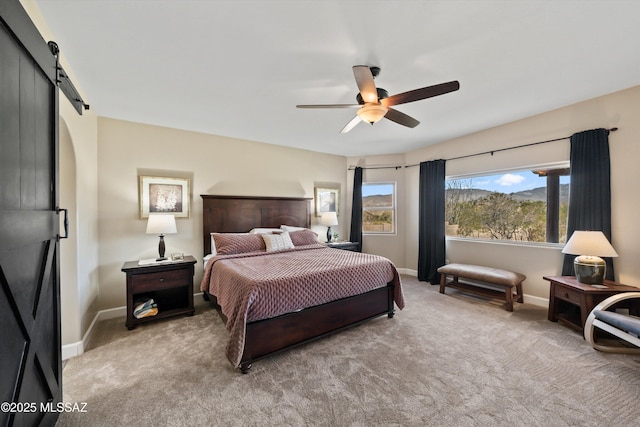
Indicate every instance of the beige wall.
{"type": "Point", "coordinates": [78, 190]}
{"type": "Point", "coordinates": [619, 109]}
{"type": "Point", "coordinates": [215, 165]}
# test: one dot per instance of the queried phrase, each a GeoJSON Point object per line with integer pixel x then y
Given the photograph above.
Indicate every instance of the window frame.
{"type": "Point", "coordinates": [394, 209]}
{"type": "Point", "coordinates": [548, 166]}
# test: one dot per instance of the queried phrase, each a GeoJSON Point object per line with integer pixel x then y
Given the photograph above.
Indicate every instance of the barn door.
{"type": "Point", "coordinates": [30, 354]}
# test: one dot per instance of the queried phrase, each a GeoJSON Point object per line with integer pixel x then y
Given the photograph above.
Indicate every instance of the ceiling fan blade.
{"type": "Point", "coordinates": [364, 79]}
{"type": "Point", "coordinates": [351, 124]}
{"type": "Point", "coordinates": [329, 106]}
{"type": "Point", "coordinates": [422, 93]}
{"type": "Point", "coordinates": [401, 118]}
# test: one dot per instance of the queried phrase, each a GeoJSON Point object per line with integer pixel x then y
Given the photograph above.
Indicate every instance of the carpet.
{"type": "Point", "coordinates": [445, 360]}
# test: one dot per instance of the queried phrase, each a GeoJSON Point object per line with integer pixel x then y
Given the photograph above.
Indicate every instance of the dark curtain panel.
{"type": "Point", "coordinates": [431, 243]}
{"type": "Point", "coordinates": [355, 234]}
{"type": "Point", "coordinates": [590, 195]}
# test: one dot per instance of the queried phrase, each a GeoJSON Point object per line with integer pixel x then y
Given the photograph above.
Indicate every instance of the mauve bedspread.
{"type": "Point", "coordinates": [260, 285]}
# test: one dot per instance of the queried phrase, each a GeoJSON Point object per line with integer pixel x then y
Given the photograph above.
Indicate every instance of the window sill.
{"type": "Point", "coordinates": [545, 245]}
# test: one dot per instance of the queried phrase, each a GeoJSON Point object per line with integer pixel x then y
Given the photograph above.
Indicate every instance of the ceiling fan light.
{"type": "Point", "coordinates": [372, 113]}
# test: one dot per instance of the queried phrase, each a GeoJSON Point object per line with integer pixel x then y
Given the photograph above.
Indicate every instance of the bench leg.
{"type": "Point", "coordinates": [508, 295]}
{"type": "Point", "coordinates": [519, 293]}
{"type": "Point", "coordinates": [443, 282]}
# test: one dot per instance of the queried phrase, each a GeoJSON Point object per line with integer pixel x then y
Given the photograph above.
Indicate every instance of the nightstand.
{"type": "Point", "coordinates": [570, 301]}
{"type": "Point", "coordinates": [347, 246]}
{"type": "Point", "coordinates": [170, 284]}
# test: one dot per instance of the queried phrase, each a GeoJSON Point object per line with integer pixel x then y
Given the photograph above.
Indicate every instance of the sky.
{"type": "Point", "coordinates": [377, 189]}
{"type": "Point", "coordinates": [511, 182]}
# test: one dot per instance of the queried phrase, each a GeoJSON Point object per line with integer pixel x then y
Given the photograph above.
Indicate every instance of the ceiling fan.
{"type": "Point", "coordinates": [375, 103]}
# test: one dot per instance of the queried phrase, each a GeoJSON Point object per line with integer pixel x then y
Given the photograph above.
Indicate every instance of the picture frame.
{"type": "Point", "coordinates": [327, 200]}
{"type": "Point", "coordinates": [164, 195]}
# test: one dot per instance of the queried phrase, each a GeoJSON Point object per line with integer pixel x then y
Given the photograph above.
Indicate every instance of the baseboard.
{"type": "Point", "coordinates": [540, 302]}
{"type": "Point", "coordinates": [77, 348]}
{"type": "Point", "coordinates": [72, 350]}
{"type": "Point", "coordinates": [408, 272]}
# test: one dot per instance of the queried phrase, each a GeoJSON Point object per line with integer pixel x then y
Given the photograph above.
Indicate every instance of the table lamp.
{"type": "Point", "coordinates": [161, 224]}
{"type": "Point", "coordinates": [328, 219]}
{"type": "Point", "coordinates": [590, 246]}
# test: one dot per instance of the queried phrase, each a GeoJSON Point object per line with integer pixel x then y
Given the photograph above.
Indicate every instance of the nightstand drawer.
{"type": "Point", "coordinates": [567, 294]}
{"type": "Point", "coordinates": [160, 280]}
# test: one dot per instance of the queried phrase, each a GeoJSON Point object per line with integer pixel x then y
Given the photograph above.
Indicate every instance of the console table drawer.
{"type": "Point", "coordinates": [567, 294]}
{"type": "Point", "coordinates": [160, 280]}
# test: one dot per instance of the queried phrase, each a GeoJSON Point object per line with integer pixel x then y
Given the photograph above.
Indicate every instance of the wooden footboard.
{"type": "Point", "coordinates": [269, 336]}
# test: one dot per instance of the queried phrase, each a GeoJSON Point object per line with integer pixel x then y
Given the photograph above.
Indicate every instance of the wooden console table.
{"type": "Point", "coordinates": [570, 301]}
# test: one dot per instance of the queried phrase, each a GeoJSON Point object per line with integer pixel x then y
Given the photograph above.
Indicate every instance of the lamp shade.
{"type": "Point", "coordinates": [372, 112]}
{"type": "Point", "coordinates": [592, 243]}
{"type": "Point", "coordinates": [588, 267]}
{"type": "Point", "coordinates": [161, 224]}
{"type": "Point", "coordinates": [328, 219]}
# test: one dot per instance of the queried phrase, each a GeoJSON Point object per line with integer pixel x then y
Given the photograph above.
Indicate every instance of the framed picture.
{"type": "Point", "coordinates": [164, 195]}
{"type": "Point", "coordinates": [327, 200]}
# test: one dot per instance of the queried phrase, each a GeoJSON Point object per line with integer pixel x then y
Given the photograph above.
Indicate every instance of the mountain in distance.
{"type": "Point", "coordinates": [377, 200]}
{"type": "Point", "coordinates": [536, 195]}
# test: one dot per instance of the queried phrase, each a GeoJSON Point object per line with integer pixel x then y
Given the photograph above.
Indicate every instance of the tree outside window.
{"type": "Point", "coordinates": [524, 206]}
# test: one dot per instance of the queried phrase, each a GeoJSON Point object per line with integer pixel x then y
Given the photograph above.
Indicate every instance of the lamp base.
{"type": "Point", "coordinates": [161, 249]}
{"type": "Point", "coordinates": [329, 234]}
{"type": "Point", "coordinates": [589, 269]}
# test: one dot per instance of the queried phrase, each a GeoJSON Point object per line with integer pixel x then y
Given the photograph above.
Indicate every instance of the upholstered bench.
{"type": "Point", "coordinates": [485, 281]}
{"type": "Point", "coordinates": [623, 326]}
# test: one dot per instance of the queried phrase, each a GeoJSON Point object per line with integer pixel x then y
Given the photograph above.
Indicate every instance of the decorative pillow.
{"type": "Point", "coordinates": [213, 244]}
{"type": "Point", "coordinates": [277, 242]}
{"type": "Point", "coordinates": [303, 237]}
{"type": "Point", "coordinates": [266, 231]}
{"type": "Point", "coordinates": [291, 228]}
{"type": "Point", "coordinates": [230, 243]}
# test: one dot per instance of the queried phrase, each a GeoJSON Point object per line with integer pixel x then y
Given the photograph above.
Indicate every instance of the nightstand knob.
{"type": "Point", "coordinates": [162, 279]}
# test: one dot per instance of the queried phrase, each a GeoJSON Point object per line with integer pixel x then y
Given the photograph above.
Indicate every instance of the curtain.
{"type": "Point", "coordinates": [431, 242]}
{"type": "Point", "coordinates": [355, 234]}
{"type": "Point", "coordinates": [590, 195]}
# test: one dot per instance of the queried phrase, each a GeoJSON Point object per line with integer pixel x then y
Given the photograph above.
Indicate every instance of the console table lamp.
{"type": "Point", "coordinates": [328, 219]}
{"type": "Point", "coordinates": [161, 224]}
{"type": "Point", "coordinates": [590, 246]}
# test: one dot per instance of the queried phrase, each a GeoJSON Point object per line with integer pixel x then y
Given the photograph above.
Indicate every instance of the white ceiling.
{"type": "Point", "coordinates": [238, 68]}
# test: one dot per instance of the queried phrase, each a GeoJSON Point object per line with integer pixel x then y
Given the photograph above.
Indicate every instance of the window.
{"type": "Point", "coordinates": [379, 208]}
{"type": "Point", "coordinates": [524, 206]}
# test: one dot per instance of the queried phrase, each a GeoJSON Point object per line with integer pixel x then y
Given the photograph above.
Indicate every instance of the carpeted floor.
{"type": "Point", "coordinates": [445, 360]}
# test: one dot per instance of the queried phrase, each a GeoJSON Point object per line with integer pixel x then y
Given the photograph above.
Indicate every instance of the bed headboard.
{"type": "Point", "coordinates": [239, 214]}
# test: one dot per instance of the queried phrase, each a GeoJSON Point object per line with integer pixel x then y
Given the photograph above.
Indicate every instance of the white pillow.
{"type": "Point", "coordinates": [277, 242]}
{"type": "Point", "coordinates": [265, 231]}
{"type": "Point", "coordinates": [206, 259]}
{"type": "Point", "coordinates": [290, 228]}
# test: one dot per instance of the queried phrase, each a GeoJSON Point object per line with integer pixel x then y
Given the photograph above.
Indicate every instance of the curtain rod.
{"type": "Point", "coordinates": [478, 154]}
{"type": "Point", "coordinates": [379, 167]}
{"type": "Point", "coordinates": [511, 148]}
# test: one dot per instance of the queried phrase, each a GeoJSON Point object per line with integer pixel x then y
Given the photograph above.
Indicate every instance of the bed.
{"type": "Point", "coordinates": [367, 285]}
